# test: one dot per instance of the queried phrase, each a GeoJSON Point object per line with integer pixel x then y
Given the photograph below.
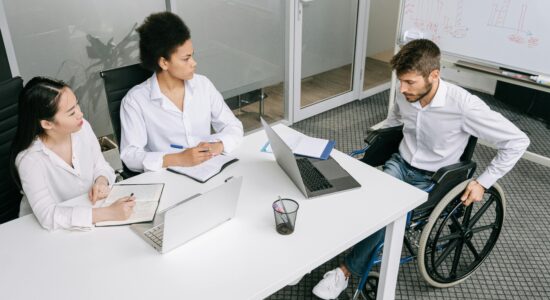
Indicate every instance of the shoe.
{"type": "Point", "coordinates": [333, 283]}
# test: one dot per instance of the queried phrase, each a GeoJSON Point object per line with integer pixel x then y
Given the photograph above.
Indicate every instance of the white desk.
{"type": "Point", "coordinates": [244, 258]}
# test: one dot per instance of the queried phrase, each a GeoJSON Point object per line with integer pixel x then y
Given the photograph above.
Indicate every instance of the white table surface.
{"type": "Point", "coordinates": [244, 258]}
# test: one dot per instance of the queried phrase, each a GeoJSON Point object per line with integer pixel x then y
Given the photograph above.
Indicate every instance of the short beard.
{"type": "Point", "coordinates": [428, 90]}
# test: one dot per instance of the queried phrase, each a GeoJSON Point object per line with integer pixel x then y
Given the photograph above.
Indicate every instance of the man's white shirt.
{"type": "Point", "coordinates": [435, 136]}
{"type": "Point", "coordinates": [151, 123]}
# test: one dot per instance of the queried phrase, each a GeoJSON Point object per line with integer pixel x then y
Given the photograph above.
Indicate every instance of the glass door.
{"type": "Point", "coordinates": [325, 55]}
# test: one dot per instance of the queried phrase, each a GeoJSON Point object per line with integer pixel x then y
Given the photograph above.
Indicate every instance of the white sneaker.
{"type": "Point", "coordinates": [333, 283]}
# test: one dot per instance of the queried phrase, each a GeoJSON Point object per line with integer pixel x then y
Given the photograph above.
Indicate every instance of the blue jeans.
{"type": "Point", "coordinates": [357, 260]}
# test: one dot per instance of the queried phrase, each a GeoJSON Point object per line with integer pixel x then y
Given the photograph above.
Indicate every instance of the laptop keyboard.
{"type": "Point", "coordinates": [155, 234]}
{"type": "Point", "coordinates": [313, 179]}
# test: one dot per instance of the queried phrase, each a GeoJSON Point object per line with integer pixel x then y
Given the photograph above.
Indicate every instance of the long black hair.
{"type": "Point", "coordinates": [38, 101]}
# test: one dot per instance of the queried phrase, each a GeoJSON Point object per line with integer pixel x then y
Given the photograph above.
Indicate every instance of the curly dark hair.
{"type": "Point", "coordinates": [159, 36]}
{"type": "Point", "coordinates": [420, 55]}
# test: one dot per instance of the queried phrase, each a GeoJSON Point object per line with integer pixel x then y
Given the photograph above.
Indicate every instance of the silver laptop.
{"type": "Point", "coordinates": [191, 217]}
{"type": "Point", "coordinates": [313, 177]}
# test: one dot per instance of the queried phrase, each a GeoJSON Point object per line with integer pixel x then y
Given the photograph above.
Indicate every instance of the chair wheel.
{"type": "Point", "coordinates": [371, 286]}
{"type": "Point", "coordinates": [457, 239]}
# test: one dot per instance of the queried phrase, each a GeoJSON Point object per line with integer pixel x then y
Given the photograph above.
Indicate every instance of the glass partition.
{"type": "Point", "coordinates": [73, 40]}
{"type": "Point", "coordinates": [240, 46]}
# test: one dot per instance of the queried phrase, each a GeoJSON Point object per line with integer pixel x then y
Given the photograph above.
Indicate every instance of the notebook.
{"type": "Point", "coordinates": [192, 217]}
{"type": "Point", "coordinates": [206, 170]}
{"type": "Point", "coordinates": [147, 201]}
{"type": "Point", "coordinates": [314, 177]}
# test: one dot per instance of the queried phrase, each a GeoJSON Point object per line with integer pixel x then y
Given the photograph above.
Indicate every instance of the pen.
{"type": "Point", "coordinates": [176, 146]}
{"type": "Point", "coordinates": [130, 198]}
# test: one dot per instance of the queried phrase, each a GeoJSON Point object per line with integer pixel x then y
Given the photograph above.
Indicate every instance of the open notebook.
{"type": "Point", "coordinates": [205, 170]}
{"type": "Point", "coordinates": [147, 201]}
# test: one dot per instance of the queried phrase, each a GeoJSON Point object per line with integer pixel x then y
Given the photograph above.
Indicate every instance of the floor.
{"type": "Point", "coordinates": [314, 89]}
{"type": "Point", "coordinates": [518, 267]}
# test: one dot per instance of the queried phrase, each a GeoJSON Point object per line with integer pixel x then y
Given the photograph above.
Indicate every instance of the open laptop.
{"type": "Point", "coordinates": [314, 177]}
{"type": "Point", "coordinates": [191, 217]}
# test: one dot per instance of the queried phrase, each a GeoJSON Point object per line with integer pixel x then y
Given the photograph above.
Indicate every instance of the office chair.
{"type": "Point", "coordinates": [118, 82]}
{"type": "Point", "coordinates": [10, 196]}
{"type": "Point", "coordinates": [450, 241]}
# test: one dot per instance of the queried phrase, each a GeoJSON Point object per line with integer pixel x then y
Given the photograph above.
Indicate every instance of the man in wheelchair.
{"type": "Point", "coordinates": [438, 119]}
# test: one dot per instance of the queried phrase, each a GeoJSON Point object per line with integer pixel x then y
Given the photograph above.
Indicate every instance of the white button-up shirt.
{"type": "Point", "coordinates": [436, 135]}
{"type": "Point", "coordinates": [47, 180]}
{"type": "Point", "coordinates": [151, 123]}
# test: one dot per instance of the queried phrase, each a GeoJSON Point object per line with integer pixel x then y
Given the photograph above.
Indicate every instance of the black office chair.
{"type": "Point", "coordinates": [449, 240]}
{"type": "Point", "coordinates": [10, 196]}
{"type": "Point", "coordinates": [118, 82]}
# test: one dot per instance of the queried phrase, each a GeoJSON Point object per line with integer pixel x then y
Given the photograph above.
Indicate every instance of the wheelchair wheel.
{"type": "Point", "coordinates": [457, 239]}
{"type": "Point", "coordinates": [371, 286]}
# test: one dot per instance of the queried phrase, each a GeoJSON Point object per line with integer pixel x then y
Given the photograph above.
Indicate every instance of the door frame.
{"type": "Point", "coordinates": [297, 113]}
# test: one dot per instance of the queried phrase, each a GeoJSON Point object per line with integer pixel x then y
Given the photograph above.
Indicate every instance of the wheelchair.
{"type": "Point", "coordinates": [449, 241]}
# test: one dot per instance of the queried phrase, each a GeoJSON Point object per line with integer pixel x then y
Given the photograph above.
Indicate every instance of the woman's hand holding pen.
{"type": "Point", "coordinates": [215, 148]}
{"type": "Point", "coordinates": [190, 156]}
{"type": "Point", "coordinates": [99, 190]}
{"type": "Point", "coordinates": [120, 210]}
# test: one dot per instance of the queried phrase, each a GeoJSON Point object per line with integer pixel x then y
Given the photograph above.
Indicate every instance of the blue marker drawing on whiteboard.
{"type": "Point", "coordinates": [541, 79]}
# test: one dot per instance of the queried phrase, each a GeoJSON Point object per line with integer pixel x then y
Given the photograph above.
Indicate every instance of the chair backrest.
{"type": "Point", "coordinates": [117, 83]}
{"type": "Point", "coordinates": [9, 193]}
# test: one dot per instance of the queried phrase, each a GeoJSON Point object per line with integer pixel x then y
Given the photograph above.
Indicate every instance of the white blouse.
{"type": "Point", "coordinates": [151, 123]}
{"type": "Point", "coordinates": [47, 180]}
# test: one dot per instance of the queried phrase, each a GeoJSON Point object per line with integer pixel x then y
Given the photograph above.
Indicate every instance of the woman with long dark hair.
{"type": "Point", "coordinates": [55, 157]}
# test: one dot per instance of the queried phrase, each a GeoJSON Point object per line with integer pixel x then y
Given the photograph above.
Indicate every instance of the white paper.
{"type": "Point", "coordinates": [302, 144]}
{"type": "Point", "coordinates": [310, 146]}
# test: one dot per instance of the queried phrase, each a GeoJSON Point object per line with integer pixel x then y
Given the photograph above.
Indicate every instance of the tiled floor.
{"type": "Point", "coordinates": [518, 267]}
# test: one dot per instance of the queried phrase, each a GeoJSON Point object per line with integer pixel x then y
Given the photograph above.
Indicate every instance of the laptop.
{"type": "Point", "coordinates": [191, 217]}
{"type": "Point", "coordinates": [313, 177]}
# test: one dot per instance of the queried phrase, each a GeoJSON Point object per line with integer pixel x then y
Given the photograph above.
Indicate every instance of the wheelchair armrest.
{"type": "Point", "coordinates": [382, 144]}
{"type": "Point", "coordinates": [463, 169]}
{"type": "Point", "coordinates": [445, 179]}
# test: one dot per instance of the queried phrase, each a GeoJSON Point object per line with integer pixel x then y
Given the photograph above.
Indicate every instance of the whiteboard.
{"type": "Point", "coordinates": [510, 33]}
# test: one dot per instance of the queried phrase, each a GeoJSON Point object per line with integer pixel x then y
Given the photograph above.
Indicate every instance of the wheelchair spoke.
{"type": "Point", "coordinates": [451, 236]}
{"type": "Point", "coordinates": [481, 211]}
{"type": "Point", "coordinates": [473, 249]}
{"type": "Point", "coordinates": [445, 253]}
{"type": "Point", "coordinates": [456, 223]}
{"type": "Point", "coordinates": [467, 215]}
{"type": "Point", "coordinates": [483, 228]}
{"type": "Point", "coordinates": [458, 253]}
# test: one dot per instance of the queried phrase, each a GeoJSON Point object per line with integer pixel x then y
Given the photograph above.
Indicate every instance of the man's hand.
{"type": "Point", "coordinates": [474, 192]}
{"type": "Point", "coordinates": [99, 190]}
